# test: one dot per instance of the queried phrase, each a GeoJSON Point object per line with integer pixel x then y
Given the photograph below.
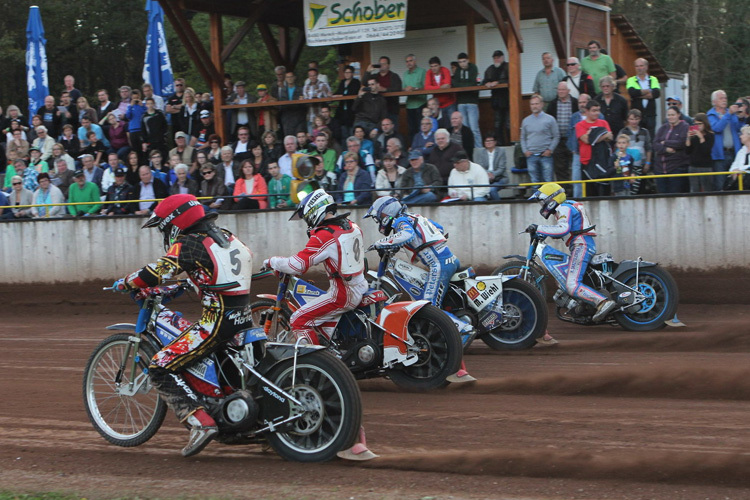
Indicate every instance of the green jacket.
{"type": "Point", "coordinates": [466, 78]}
{"type": "Point", "coordinates": [415, 79]}
{"type": "Point", "coordinates": [90, 192]}
{"type": "Point", "coordinates": [279, 190]}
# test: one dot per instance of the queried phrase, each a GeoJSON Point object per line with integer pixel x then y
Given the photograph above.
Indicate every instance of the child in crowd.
{"type": "Point", "coordinates": [279, 187]}
{"type": "Point", "coordinates": [620, 164]}
{"type": "Point", "coordinates": [427, 113]}
{"type": "Point", "coordinates": [36, 161]}
{"type": "Point", "coordinates": [95, 148]}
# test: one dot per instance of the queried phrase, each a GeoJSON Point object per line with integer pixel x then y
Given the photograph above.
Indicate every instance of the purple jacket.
{"type": "Point", "coordinates": [675, 138]}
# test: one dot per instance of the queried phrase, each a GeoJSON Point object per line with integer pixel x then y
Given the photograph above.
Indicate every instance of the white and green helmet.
{"type": "Point", "coordinates": [314, 207]}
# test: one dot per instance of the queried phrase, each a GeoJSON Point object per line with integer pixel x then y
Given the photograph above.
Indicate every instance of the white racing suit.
{"type": "Point", "coordinates": [571, 221]}
{"type": "Point", "coordinates": [338, 244]}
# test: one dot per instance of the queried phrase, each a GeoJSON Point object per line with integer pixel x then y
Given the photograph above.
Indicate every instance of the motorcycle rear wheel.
{"type": "Point", "coordinates": [662, 297]}
{"type": "Point", "coordinates": [123, 420]}
{"type": "Point", "coordinates": [333, 408]}
{"type": "Point", "coordinates": [440, 354]}
{"type": "Point", "coordinates": [524, 321]}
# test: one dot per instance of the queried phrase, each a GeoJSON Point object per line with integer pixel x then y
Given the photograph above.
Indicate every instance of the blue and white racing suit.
{"type": "Point", "coordinates": [571, 221]}
{"type": "Point", "coordinates": [425, 239]}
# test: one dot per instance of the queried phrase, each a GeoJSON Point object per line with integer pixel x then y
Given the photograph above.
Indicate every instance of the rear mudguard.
{"type": "Point", "coordinates": [627, 265]}
{"type": "Point", "coordinates": [519, 257]}
{"type": "Point", "coordinates": [384, 279]}
{"type": "Point", "coordinates": [394, 320]}
{"type": "Point", "coordinates": [267, 296]}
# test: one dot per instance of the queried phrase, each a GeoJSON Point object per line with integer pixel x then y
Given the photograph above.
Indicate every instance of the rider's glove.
{"type": "Point", "coordinates": [119, 286]}
{"type": "Point", "coordinates": [531, 229]}
{"type": "Point", "coordinates": [266, 265]}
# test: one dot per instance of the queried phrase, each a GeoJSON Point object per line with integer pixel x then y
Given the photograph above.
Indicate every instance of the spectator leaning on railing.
{"type": "Point", "coordinates": [47, 194]}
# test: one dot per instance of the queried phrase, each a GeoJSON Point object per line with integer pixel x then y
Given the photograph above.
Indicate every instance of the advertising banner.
{"type": "Point", "coordinates": [333, 22]}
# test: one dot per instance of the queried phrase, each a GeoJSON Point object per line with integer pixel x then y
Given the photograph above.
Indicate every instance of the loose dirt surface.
{"type": "Point", "coordinates": [606, 414]}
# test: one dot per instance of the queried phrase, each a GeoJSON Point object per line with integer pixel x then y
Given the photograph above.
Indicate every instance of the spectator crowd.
{"type": "Point", "coordinates": [117, 157]}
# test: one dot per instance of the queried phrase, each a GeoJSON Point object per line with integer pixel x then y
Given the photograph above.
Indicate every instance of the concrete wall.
{"type": "Point", "coordinates": [700, 232]}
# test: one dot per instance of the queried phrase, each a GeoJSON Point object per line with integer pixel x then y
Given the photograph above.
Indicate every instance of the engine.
{"type": "Point", "coordinates": [362, 356]}
{"type": "Point", "coordinates": [564, 301]}
{"type": "Point", "coordinates": [236, 413]}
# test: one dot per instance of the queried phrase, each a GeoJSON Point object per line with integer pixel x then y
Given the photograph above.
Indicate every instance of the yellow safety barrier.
{"type": "Point", "coordinates": [655, 176]}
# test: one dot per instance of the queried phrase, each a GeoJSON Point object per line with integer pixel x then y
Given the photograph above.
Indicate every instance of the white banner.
{"type": "Point", "coordinates": [333, 22]}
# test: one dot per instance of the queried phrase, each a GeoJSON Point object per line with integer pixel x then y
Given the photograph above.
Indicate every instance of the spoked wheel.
{"type": "Point", "coordinates": [261, 309]}
{"type": "Point", "coordinates": [533, 276]}
{"type": "Point", "coordinates": [660, 304]}
{"type": "Point", "coordinates": [438, 344]}
{"type": "Point", "coordinates": [524, 318]}
{"type": "Point", "coordinates": [331, 408]}
{"type": "Point", "coordinates": [120, 402]}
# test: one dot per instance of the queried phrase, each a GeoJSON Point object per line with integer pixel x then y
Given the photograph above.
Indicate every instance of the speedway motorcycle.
{"type": "Point", "coordinates": [646, 294]}
{"type": "Point", "coordinates": [299, 399]}
{"type": "Point", "coordinates": [506, 313]}
{"type": "Point", "coordinates": [412, 343]}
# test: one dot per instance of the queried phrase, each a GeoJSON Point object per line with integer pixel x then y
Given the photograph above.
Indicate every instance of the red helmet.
{"type": "Point", "coordinates": [175, 214]}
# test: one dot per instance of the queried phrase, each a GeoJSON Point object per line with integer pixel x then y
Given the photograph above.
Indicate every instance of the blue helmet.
{"type": "Point", "coordinates": [385, 210]}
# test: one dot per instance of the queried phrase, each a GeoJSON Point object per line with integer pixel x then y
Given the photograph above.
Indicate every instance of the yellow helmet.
{"type": "Point", "coordinates": [549, 196]}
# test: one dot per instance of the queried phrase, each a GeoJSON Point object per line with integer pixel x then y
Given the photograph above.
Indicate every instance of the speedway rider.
{"type": "Point", "coordinates": [425, 238]}
{"type": "Point", "coordinates": [338, 243]}
{"type": "Point", "coordinates": [220, 266]}
{"type": "Point", "coordinates": [573, 222]}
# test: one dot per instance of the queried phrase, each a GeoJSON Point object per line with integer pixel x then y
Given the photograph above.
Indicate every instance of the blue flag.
{"type": "Point", "coordinates": [157, 68]}
{"type": "Point", "coordinates": [36, 61]}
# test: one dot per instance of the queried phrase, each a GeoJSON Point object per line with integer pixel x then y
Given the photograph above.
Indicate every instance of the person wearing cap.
{"type": "Point", "coordinates": [205, 130]}
{"type": "Point", "coordinates": [677, 102]}
{"type": "Point", "coordinates": [464, 175]}
{"type": "Point", "coordinates": [240, 117]}
{"type": "Point", "coordinates": [83, 191]}
{"type": "Point", "coordinates": [266, 117]}
{"type": "Point", "coordinates": [182, 148]}
{"type": "Point", "coordinates": [539, 137]}
{"type": "Point", "coordinates": [117, 192]}
{"type": "Point", "coordinates": [644, 90]}
{"type": "Point", "coordinates": [36, 161]}
{"type": "Point", "coordinates": [419, 181]}
{"type": "Point", "coordinates": [47, 194]}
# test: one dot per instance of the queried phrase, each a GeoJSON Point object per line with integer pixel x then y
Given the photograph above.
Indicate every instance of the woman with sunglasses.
{"type": "Point", "coordinates": [213, 149]}
{"type": "Point", "coordinates": [212, 185]}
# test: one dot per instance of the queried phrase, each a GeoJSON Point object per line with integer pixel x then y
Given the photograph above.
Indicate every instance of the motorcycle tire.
{"type": "Point", "coordinates": [662, 297]}
{"type": "Point", "coordinates": [333, 407]}
{"type": "Point", "coordinates": [440, 352]}
{"type": "Point", "coordinates": [534, 277]}
{"type": "Point", "coordinates": [261, 306]}
{"type": "Point", "coordinates": [524, 320]}
{"type": "Point", "coordinates": [123, 420]}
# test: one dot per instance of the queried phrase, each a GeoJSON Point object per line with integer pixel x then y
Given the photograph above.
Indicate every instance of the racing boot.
{"type": "Point", "coordinates": [603, 309]}
{"type": "Point", "coordinates": [203, 430]}
{"type": "Point", "coordinates": [359, 451]}
{"type": "Point", "coordinates": [460, 376]}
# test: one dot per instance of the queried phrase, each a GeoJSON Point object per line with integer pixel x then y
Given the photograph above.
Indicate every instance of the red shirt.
{"type": "Point", "coordinates": [581, 128]}
{"type": "Point", "coordinates": [430, 83]}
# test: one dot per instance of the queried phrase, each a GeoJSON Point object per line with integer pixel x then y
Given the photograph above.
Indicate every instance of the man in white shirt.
{"type": "Point", "coordinates": [466, 174]}
{"type": "Point", "coordinates": [285, 162]}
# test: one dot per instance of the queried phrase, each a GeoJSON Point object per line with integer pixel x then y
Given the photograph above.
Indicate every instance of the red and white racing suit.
{"type": "Point", "coordinates": [339, 244]}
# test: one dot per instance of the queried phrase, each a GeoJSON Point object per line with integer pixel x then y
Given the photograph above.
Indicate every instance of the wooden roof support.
{"type": "Point", "coordinates": [242, 33]}
{"type": "Point", "coordinates": [192, 44]}
{"type": "Point", "coordinates": [500, 21]}
{"type": "Point", "coordinates": [483, 11]}
{"type": "Point", "coordinates": [555, 28]}
{"type": "Point", "coordinates": [272, 46]}
{"type": "Point", "coordinates": [217, 88]}
{"type": "Point", "coordinates": [513, 17]}
{"type": "Point", "coordinates": [296, 49]}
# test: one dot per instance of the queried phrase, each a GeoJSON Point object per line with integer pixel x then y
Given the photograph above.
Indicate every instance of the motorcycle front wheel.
{"type": "Point", "coordinates": [660, 304]}
{"type": "Point", "coordinates": [438, 343]}
{"type": "Point", "coordinates": [524, 318]}
{"type": "Point", "coordinates": [533, 276]}
{"type": "Point", "coordinates": [331, 403]}
{"type": "Point", "coordinates": [121, 403]}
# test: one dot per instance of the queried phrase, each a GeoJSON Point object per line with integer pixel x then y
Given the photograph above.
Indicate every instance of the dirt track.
{"type": "Point", "coordinates": [607, 414]}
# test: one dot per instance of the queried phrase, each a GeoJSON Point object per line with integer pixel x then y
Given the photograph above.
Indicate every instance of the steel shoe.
{"type": "Point", "coordinates": [203, 430]}
{"type": "Point", "coordinates": [604, 308]}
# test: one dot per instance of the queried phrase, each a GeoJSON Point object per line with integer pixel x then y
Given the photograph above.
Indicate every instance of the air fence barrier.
{"type": "Point", "coordinates": [686, 231]}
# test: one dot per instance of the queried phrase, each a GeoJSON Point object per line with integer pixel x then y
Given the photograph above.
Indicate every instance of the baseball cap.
{"type": "Point", "coordinates": [119, 172]}
{"type": "Point", "coordinates": [460, 156]}
{"type": "Point", "coordinates": [240, 84]}
{"type": "Point", "coordinates": [498, 53]}
{"type": "Point", "coordinates": [261, 86]}
{"type": "Point", "coordinates": [34, 148]}
{"type": "Point", "coordinates": [414, 154]}
{"type": "Point", "coordinates": [674, 98]}
{"type": "Point", "coordinates": [205, 113]}
{"type": "Point", "coordinates": [180, 134]}
{"type": "Point", "coordinates": [78, 173]}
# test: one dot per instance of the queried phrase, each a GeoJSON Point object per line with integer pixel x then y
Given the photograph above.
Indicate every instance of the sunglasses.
{"type": "Point", "coordinates": [214, 142]}
{"type": "Point", "coordinates": [572, 64]}
{"type": "Point", "coordinates": [207, 172]}
{"type": "Point", "coordinates": [16, 183]}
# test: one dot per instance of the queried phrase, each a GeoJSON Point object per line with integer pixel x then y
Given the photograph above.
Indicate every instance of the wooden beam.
{"type": "Point", "coordinates": [483, 11]}
{"type": "Point", "coordinates": [553, 21]}
{"type": "Point", "coordinates": [296, 51]}
{"type": "Point", "coordinates": [470, 45]}
{"type": "Point", "coordinates": [514, 19]}
{"type": "Point", "coordinates": [241, 34]}
{"type": "Point", "coordinates": [217, 88]}
{"type": "Point", "coordinates": [273, 49]}
{"type": "Point", "coordinates": [500, 22]}
{"type": "Point", "coordinates": [192, 43]}
{"type": "Point", "coordinates": [514, 72]}
{"type": "Point", "coordinates": [284, 43]}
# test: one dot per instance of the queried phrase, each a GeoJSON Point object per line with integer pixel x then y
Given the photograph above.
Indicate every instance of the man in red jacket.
{"type": "Point", "coordinates": [439, 77]}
